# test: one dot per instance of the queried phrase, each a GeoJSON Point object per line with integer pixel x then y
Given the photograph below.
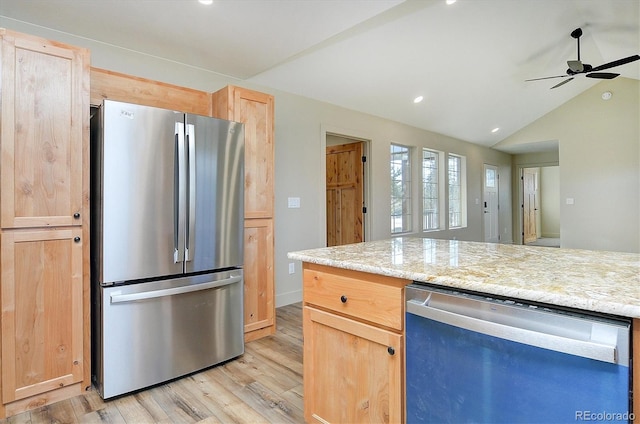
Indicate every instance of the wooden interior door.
{"type": "Point", "coordinates": [344, 182]}
{"type": "Point", "coordinates": [529, 205]}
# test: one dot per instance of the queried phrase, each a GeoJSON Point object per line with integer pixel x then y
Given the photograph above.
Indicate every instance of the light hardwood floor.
{"type": "Point", "coordinates": [262, 386]}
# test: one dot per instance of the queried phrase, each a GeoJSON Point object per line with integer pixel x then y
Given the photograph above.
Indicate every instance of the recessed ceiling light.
{"type": "Point", "coordinates": [606, 95]}
{"type": "Point", "coordinates": [207, 2]}
{"type": "Point", "coordinates": [418, 99]}
{"type": "Point", "coordinates": [495, 130]}
{"type": "Point", "coordinates": [450, 2]}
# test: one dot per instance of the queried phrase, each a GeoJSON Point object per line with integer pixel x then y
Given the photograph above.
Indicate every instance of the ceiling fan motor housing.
{"type": "Point", "coordinates": [585, 68]}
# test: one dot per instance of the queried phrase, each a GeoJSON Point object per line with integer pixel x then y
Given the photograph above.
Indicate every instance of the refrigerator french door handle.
{"type": "Point", "coordinates": [191, 202]}
{"type": "Point", "coordinates": [179, 196]}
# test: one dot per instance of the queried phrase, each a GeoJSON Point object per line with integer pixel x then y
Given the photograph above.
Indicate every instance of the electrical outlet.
{"type": "Point", "coordinates": [292, 268]}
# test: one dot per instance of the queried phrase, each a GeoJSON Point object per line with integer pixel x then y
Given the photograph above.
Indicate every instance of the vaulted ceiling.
{"type": "Point", "coordinates": [469, 60]}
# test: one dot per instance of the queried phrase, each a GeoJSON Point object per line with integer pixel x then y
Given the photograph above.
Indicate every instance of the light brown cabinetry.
{"type": "Point", "coordinates": [353, 346]}
{"type": "Point", "coordinates": [258, 258]}
{"type": "Point", "coordinates": [255, 110]}
{"type": "Point", "coordinates": [128, 88]}
{"type": "Point", "coordinates": [44, 286]}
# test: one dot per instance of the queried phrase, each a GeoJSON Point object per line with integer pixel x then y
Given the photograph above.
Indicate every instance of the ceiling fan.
{"type": "Point", "coordinates": [577, 67]}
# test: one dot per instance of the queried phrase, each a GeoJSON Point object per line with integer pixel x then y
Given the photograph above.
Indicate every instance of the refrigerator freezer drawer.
{"type": "Point", "coordinates": [154, 332]}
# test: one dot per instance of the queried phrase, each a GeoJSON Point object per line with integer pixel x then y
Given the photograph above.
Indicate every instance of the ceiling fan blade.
{"type": "Point", "coordinates": [616, 63]}
{"type": "Point", "coordinates": [602, 75]}
{"type": "Point", "coordinates": [562, 83]}
{"type": "Point", "coordinates": [544, 78]}
{"type": "Point", "coordinates": [575, 65]}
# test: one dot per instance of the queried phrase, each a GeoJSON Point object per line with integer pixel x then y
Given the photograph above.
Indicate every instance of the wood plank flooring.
{"type": "Point", "coordinates": [262, 386]}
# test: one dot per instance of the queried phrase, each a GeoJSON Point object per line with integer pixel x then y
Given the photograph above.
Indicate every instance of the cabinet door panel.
{"type": "Point", "coordinates": [256, 113]}
{"type": "Point", "coordinates": [350, 374]}
{"type": "Point", "coordinates": [255, 110]}
{"type": "Point", "coordinates": [259, 309]}
{"type": "Point", "coordinates": [46, 86]}
{"type": "Point", "coordinates": [41, 296]}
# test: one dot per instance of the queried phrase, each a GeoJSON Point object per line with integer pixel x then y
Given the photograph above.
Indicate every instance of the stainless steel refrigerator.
{"type": "Point", "coordinates": [167, 197]}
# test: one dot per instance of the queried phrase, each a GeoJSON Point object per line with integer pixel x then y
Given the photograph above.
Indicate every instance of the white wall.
{"type": "Point", "coordinates": [599, 157]}
{"type": "Point", "coordinates": [301, 125]}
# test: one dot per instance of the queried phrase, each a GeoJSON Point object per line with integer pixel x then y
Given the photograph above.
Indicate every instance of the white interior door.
{"type": "Point", "coordinates": [490, 204]}
{"type": "Point", "coordinates": [530, 204]}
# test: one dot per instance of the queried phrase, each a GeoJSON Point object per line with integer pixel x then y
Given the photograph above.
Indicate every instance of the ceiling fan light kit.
{"type": "Point", "coordinates": [576, 67]}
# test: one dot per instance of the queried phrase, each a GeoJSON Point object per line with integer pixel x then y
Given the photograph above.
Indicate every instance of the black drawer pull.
{"type": "Point", "coordinates": [76, 215]}
{"type": "Point", "coordinates": [76, 239]}
{"type": "Point", "coordinates": [343, 299]}
{"type": "Point", "coordinates": [391, 350]}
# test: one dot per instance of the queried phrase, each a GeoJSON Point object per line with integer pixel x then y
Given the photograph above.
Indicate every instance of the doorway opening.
{"type": "Point", "coordinates": [345, 160]}
{"type": "Point", "coordinates": [540, 206]}
{"type": "Point", "coordinates": [491, 204]}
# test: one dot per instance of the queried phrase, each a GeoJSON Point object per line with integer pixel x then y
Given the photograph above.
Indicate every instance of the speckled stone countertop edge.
{"type": "Point", "coordinates": [615, 302]}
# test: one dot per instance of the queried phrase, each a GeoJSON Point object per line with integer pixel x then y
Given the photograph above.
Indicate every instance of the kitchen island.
{"type": "Point", "coordinates": [354, 302]}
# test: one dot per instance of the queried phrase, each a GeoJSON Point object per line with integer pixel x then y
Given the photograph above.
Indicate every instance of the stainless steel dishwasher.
{"type": "Point", "coordinates": [473, 358]}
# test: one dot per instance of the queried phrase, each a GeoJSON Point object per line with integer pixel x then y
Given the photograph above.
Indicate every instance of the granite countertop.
{"type": "Point", "coordinates": [607, 282]}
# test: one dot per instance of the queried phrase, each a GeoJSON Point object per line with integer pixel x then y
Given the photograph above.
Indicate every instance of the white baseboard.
{"type": "Point", "coordinates": [288, 298]}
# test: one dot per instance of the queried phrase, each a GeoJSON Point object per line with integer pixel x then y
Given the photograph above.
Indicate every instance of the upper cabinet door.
{"type": "Point", "coordinates": [45, 118]}
{"type": "Point", "coordinates": [255, 111]}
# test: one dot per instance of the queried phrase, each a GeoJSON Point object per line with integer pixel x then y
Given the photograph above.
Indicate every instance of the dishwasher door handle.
{"type": "Point", "coordinates": [132, 297]}
{"type": "Point", "coordinates": [586, 349]}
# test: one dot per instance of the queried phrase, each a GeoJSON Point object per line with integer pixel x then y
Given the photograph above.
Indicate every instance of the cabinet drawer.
{"type": "Point", "coordinates": [360, 295]}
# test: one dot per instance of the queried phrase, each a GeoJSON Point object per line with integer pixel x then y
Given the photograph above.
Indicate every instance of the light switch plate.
{"type": "Point", "coordinates": [293, 202]}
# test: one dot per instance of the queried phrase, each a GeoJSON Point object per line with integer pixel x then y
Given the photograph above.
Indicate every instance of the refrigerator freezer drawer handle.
{"type": "Point", "coordinates": [121, 298]}
{"type": "Point", "coordinates": [586, 349]}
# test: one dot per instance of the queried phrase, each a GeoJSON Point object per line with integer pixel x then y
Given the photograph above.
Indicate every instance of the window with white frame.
{"type": "Point", "coordinates": [430, 190]}
{"type": "Point", "coordinates": [400, 189]}
{"type": "Point", "coordinates": [456, 174]}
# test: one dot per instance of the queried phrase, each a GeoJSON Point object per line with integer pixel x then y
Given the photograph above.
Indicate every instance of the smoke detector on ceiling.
{"type": "Point", "coordinates": [606, 95]}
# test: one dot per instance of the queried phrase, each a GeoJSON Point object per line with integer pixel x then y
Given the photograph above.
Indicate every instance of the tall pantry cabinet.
{"type": "Point", "coordinates": [44, 219]}
{"type": "Point", "coordinates": [255, 110]}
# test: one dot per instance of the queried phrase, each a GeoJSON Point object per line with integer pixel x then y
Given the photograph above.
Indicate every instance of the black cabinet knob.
{"type": "Point", "coordinates": [76, 215]}
{"type": "Point", "coordinates": [76, 239]}
{"type": "Point", "coordinates": [391, 350]}
{"type": "Point", "coordinates": [343, 299]}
